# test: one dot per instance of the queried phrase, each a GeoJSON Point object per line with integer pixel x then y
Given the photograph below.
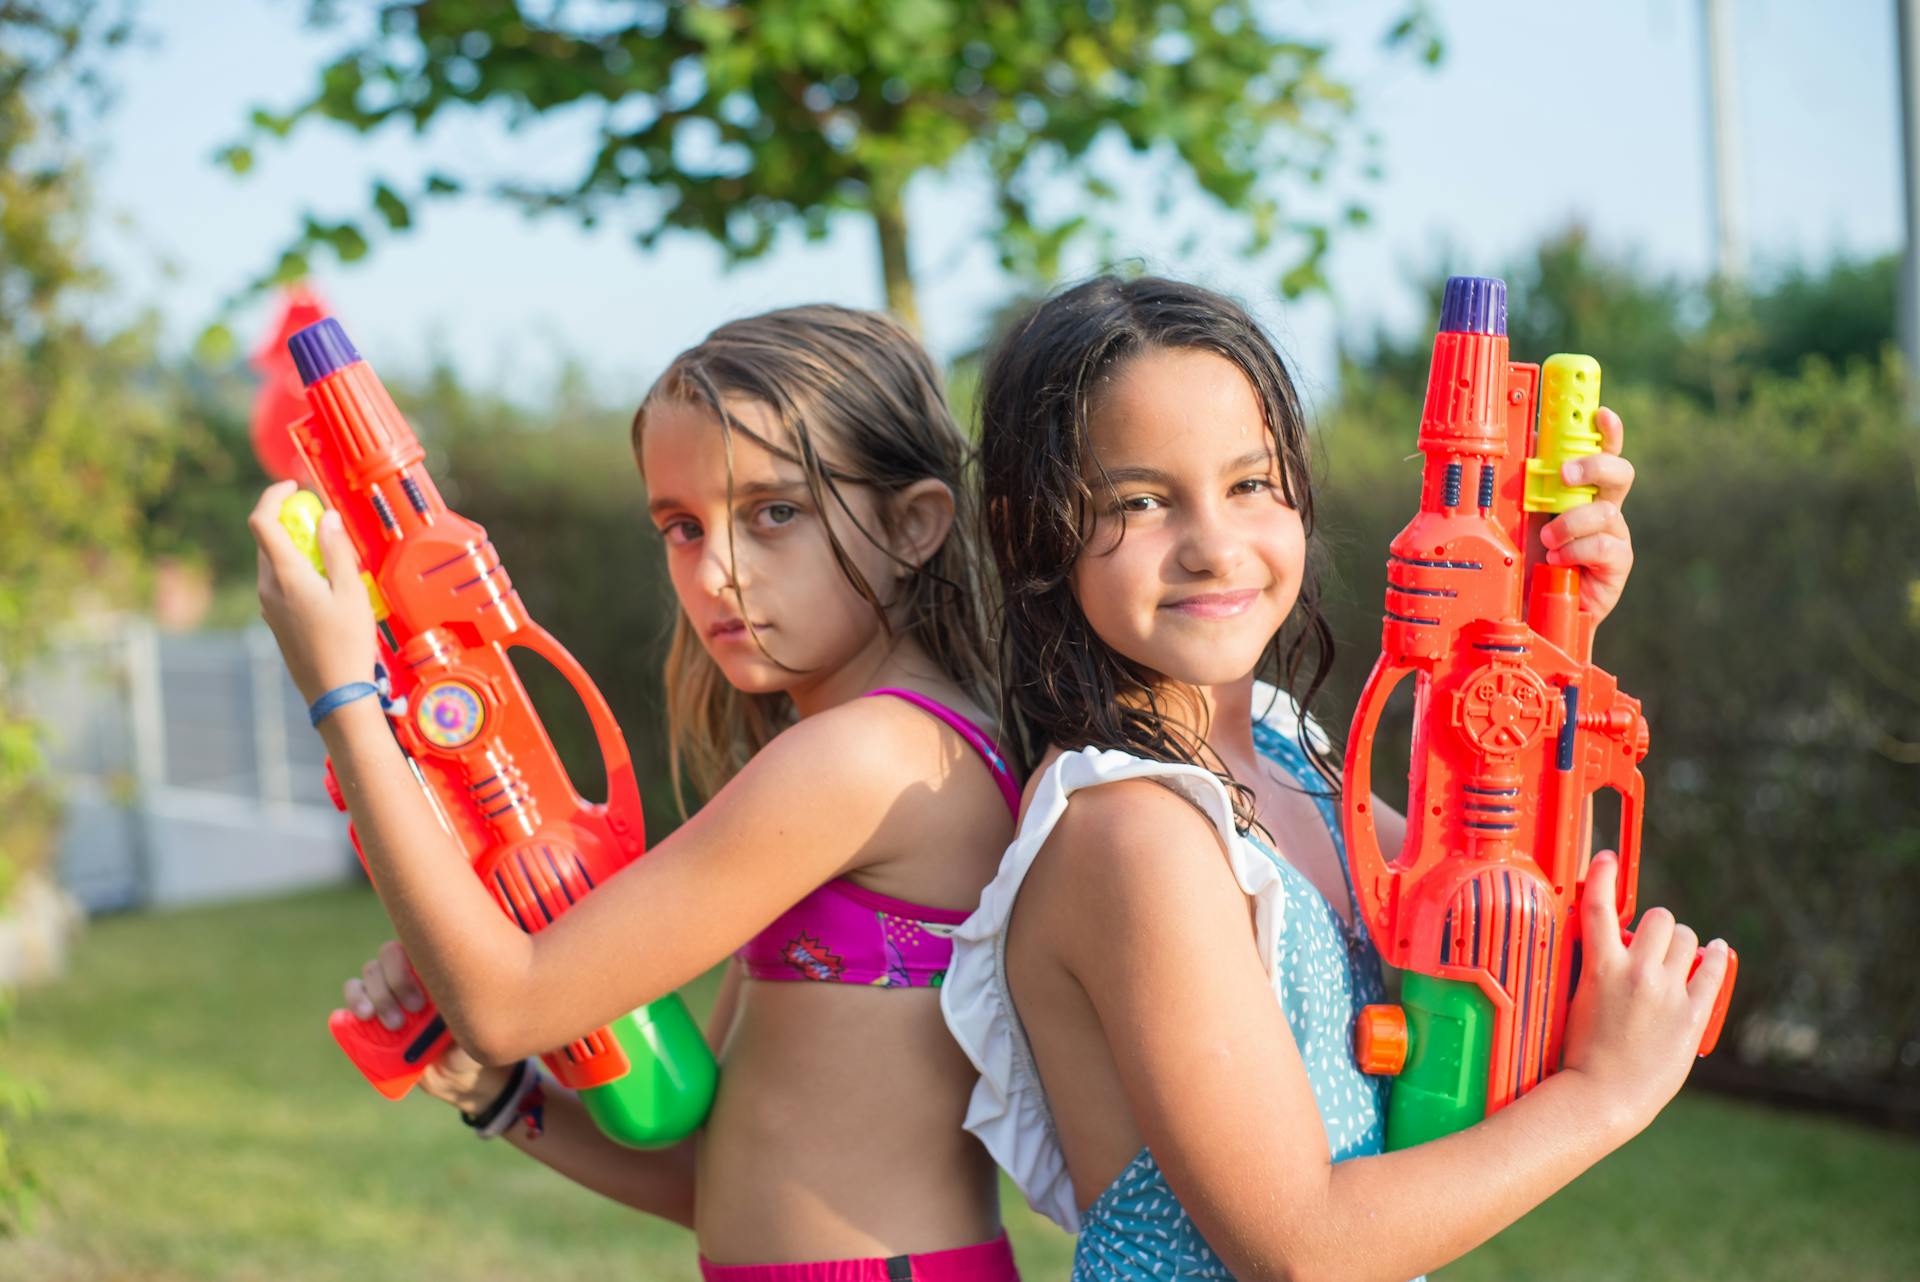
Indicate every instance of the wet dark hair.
{"type": "Point", "coordinates": [1060, 684]}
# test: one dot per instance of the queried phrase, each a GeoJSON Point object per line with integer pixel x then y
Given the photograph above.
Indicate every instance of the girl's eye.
{"type": "Point", "coordinates": [1139, 503]}
{"type": "Point", "coordinates": [677, 533]}
{"type": "Point", "coordinates": [774, 515]}
{"type": "Point", "coordinates": [1253, 485]}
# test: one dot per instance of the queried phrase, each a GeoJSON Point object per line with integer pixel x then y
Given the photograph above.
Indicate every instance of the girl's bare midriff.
{"type": "Point", "coordinates": [836, 1132]}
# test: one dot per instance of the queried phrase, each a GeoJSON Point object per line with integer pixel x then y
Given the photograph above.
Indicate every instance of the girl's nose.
{"type": "Point", "coordinates": [1209, 545]}
{"type": "Point", "coordinates": [721, 566]}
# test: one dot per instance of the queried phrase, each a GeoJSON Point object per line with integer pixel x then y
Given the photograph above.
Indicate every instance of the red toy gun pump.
{"type": "Point", "coordinates": [448, 615]}
{"type": "Point", "coordinates": [1514, 730]}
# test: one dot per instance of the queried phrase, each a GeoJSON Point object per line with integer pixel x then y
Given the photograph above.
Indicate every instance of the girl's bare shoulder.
{"type": "Point", "coordinates": [1125, 830]}
{"type": "Point", "coordinates": [878, 747]}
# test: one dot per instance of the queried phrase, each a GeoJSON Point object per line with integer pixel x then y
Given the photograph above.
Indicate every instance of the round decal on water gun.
{"type": "Point", "coordinates": [450, 714]}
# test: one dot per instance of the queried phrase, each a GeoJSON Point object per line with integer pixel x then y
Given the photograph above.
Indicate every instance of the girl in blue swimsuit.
{"type": "Point", "coordinates": [1158, 985]}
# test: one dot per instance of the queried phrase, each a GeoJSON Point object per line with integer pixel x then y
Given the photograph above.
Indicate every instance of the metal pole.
{"type": "Point", "coordinates": [146, 705]}
{"type": "Point", "coordinates": [1907, 21]}
{"type": "Point", "coordinates": [1723, 134]}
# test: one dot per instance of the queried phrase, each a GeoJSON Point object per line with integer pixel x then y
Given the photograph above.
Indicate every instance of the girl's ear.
{"type": "Point", "coordinates": [922, 517]}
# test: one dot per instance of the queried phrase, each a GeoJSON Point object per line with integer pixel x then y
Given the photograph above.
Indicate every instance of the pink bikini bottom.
{"type": "Point", "coordinates": [987, 1262]}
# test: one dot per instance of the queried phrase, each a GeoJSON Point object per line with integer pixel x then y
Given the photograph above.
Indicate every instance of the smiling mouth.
{"type": "Point", "coordinates": [1214, 605]}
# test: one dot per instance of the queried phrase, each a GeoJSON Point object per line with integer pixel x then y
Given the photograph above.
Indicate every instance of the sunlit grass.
{"type": "Point", "coordinates": [201, 1125]}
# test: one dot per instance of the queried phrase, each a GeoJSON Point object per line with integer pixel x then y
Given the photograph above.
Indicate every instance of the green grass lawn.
{"type": "Point", "coordinates": [201, 1125]}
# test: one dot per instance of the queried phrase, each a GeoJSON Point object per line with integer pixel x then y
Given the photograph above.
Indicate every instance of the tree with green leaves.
{"type": "Point", "coordinates": [85, 439]}
{"type": "Point", "coordinates": [738, 120]}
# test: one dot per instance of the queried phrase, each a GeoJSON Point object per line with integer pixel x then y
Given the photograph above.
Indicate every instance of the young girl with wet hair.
{"type": "Point", "coordinates": [825, 688]}
{"type": "Point", "coordinates": [1159, 984]}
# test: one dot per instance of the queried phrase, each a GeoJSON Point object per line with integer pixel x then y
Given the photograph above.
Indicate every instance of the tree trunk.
{"type": "Point", "coordinates": [890, 221]}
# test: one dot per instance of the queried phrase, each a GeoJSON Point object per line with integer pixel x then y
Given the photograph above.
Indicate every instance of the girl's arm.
{"type": "Point", "coordinates": [658, 1182]}
{"type": "Point", "coordinates": [808, 807]}
{"type": "Point", "coordinates": [1219, 1092]}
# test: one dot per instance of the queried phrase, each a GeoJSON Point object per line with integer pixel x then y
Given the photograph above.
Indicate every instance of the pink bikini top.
{"type": "Point", "coordinates": [846, 934]}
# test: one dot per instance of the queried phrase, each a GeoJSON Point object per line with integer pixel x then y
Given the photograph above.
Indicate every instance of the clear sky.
{"type": "Point", "coordinates": [1542, 112]}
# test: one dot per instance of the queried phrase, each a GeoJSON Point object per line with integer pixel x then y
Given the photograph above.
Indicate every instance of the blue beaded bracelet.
{"type": "Point", "coordinates": [339, 696]}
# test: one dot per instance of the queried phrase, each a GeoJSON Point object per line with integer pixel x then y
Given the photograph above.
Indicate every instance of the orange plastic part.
{"type": "Point", "coordinates": [1380, 1040]}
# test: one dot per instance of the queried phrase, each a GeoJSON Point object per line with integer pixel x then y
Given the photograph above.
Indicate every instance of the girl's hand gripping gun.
{"type": "Point", "coordinates": [447, 615]}
{"type": "Point", "coordinates": [1514, 730]}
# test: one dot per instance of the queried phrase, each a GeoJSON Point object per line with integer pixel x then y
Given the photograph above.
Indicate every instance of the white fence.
{"type": "Point", "coordinates": [188, 770]}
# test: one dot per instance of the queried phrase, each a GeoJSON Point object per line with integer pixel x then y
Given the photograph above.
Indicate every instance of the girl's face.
{"type": "Point", "coordinates": [1212, 556]}
{"type": "Point", "coordinates": [752, 566]}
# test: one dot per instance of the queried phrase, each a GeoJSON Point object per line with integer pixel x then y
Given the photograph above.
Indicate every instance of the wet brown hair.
{"type": "Point", "coordinates": [1060, 684]}
{"type": "Point", "coordinates": [856, 386]}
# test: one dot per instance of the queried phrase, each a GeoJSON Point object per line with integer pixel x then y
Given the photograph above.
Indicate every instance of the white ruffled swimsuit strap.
{"type": "Point", "coordinates": [1008, 1110]}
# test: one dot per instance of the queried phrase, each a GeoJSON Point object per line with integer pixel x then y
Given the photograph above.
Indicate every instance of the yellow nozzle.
{"type": "Point", "coordinates": [1569, 398]}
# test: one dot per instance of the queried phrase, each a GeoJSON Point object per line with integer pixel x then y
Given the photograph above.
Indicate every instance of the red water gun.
{"type": "Point", "coordinates": [447, 615]}
{"type": "Point", "coordinates": [1514, 730]}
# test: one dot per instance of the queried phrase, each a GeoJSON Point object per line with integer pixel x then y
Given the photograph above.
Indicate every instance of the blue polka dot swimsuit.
{"type": "Point", "coordinates": [1136, 1228]}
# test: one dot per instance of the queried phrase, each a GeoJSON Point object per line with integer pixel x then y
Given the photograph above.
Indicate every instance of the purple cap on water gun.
{"type": "Point", "coordinates": [1474, 305]}
{"type": "Point", "coordinates": [321, 348]}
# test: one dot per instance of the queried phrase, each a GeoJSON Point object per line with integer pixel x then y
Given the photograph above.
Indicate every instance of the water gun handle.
{"type": "Point", "coordinates": [393, 1059]}
{"type": "Point", "coordinates": [1371, 874]}
{"type": "Point", "coordinates": [623, 790]}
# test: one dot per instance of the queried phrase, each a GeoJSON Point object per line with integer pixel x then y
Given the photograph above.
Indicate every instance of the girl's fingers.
{"type": "Point", "coordinates": [1597, 517]}
{"type": "Point", "coordinates": [1681, 950]}
{"type": "Point", "coordinates": [1599, 921]}
{"type": "Point", "coordinates": [267, 508]}
{"type": "Point", "coordinates": [399, 976]}
{"type": "Point", "coordinates": [1607, 469]}
{"type": "Point", "coordinates": [1613, 433]}
{"type": "Point", "coordinates": [1611, 474]}
{"type": "Point", "coordinates": [1652, 937]}
{"type": "Point", "coordinates": [336, 551]}
{"type": "Point", "coordinates": [373, 978]}
{"type": "Point", "coordinates": [356, 997]}
{"type": "Point", "coordinates": [276, 545]}
{"type": "Point", "coordinates": [1703, 990]}
{"type": "Point", "coordinates": [1594, 552]}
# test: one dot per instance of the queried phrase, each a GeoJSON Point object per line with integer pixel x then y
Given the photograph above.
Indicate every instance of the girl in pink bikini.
{"type": "Point", "coordinates": [828, 669]}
